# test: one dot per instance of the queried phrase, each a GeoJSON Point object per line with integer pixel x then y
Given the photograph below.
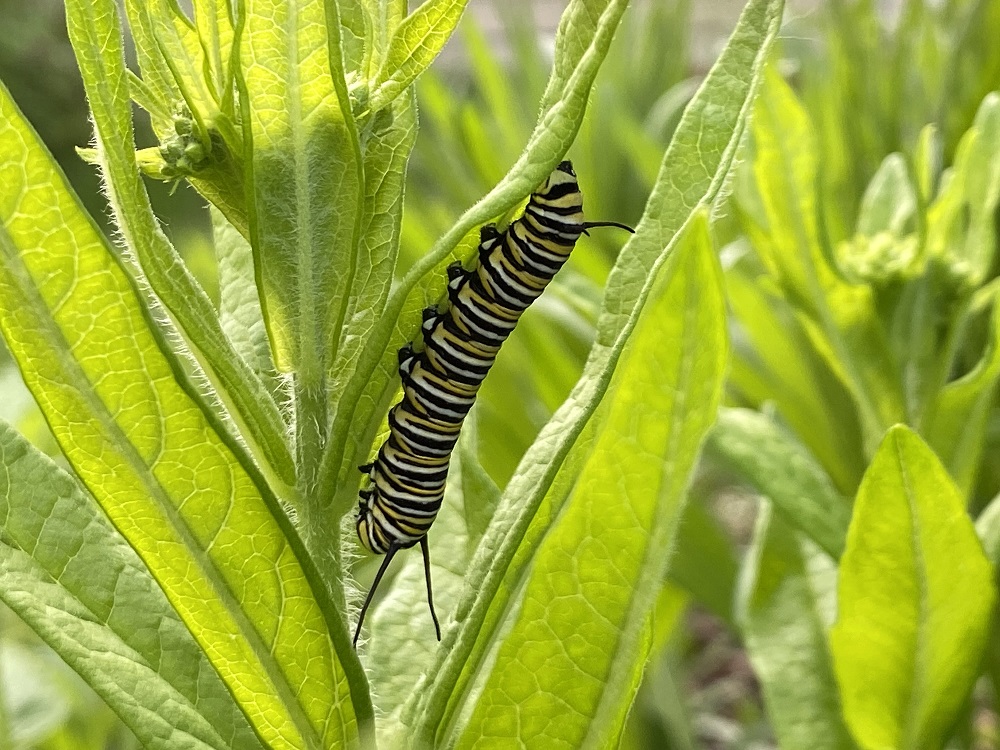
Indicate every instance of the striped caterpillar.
{"type": "Point", "coordinates": [441, 380]}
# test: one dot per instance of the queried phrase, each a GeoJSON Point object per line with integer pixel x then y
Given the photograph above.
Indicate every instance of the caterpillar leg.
{"type": "Point", "coordinates": [456, 271]}
{"type": "Point", "coordinates": [431, 316]}
{"type": "Point", "coordinates": [390, 553]}
{"type": "Point", "coordinates": [425, 549]}
{"type": "Point", "coordinates": [406, 356]}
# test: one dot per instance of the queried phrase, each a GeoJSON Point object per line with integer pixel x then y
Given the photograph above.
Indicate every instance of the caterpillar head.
{"type": "Point", "coordinates": [563, 175]}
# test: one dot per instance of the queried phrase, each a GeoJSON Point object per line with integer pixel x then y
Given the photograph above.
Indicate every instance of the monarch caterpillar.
{"type": "Point", "coordinates": [441, 380]}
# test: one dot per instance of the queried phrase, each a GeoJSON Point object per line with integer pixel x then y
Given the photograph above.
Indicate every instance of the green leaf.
{"type": "Point", "coordinates": [305, 179]}
{"type": "Point", "coordinates": [695, 169]}
{"type": "Point", "coordinates": [480, 494]}
{"type": "Point", "coordinates": [413, 47]}
{"type": "Point", "coordinates": [703, 562]}
{"type": "Point", "coordinates": [72, 578]}
{"type": "Point", "coordinates": [225, 555]}
{"type": "Point", "coordinates": [957, 424]}
{"type": "Point", "coordinates": [96, 36]}
{"type": "Point", "coordinates": [385, 160]}
{"type": "Point", "coordinates": [779, 468]}
{"type": "Point", "coordinates": [889, 201]}
{"type": "Point", "coordinates": [980, 172]}
{"type": "Point", "coordinates": [596, 573]}
{"type": "Point", "coordinates": [915, 600]}
{"type": "Point", "coordinates": [239, 305]}
{"type": "Point", "coordinates": [784, 606]}
{"type": "Point", "coordinates": [693, 174]}
{"type": "Point", "coordinates": [214, 24]}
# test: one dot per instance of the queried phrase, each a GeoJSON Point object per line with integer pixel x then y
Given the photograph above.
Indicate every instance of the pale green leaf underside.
{"type": "Point", "coordinates": [595, 576]}
{"type": "Point", "coordinates": [74, 580]}
{"type": "Point", "coordinates": [915, 599]}
{"type": "Point", "coordinates": [304, 178]}
{"type": "Point", "coordinates": [239, 305]}
{"type": "Point", "coordinates": [152, 460]}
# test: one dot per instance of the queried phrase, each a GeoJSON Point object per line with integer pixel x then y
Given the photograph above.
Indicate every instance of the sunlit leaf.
{"type": "Point", "coordinates": [915, 600]}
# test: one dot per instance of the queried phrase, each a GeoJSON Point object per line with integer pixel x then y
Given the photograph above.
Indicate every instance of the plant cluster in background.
{"type": "Point", "coordinates": [826, 587]}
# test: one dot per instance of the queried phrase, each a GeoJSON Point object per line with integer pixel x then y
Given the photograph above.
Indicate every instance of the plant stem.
{"type": "Point", "coordinates": [321, 559]}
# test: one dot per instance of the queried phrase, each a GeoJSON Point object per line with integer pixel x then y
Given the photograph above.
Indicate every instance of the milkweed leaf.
{"type": "Point", "coordinates": [68, 574]}
{"type": "Point", "coordinates": [915, 598]}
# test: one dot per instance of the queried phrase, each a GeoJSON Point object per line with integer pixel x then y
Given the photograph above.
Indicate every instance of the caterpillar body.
{"type": "Point", "coordinates": [441, 380]}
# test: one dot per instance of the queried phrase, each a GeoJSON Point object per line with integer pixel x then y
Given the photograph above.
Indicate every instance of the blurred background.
{"type": "Point", "coordinates": [870, 74]}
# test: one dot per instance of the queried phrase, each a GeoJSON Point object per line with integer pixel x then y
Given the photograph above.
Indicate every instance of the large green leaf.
{"type": "Point", "coordinates": [783, 612]}
{"type": "Point", "coordinates": [224, 553]}
{"type": "Point", "coordinates": [74, 580]}
{"type": "Point", "coordinates": [692, 175]}
{"type": "Point", "coordinates": [915, 598]}
{"type": "Point", "coordinates": [96, 37]}
{"type": "Point", "coordinates": [598, 566]}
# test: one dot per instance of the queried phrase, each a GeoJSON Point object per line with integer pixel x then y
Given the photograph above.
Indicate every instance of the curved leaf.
{"type": "Point", "coordinates": [413, 47]}
{"type": "Point", "coordinates": [783, 617]}
{"type": "Point", "coordinates": [598, 565]}
{"type": "Point", "coordinates": [96, 36]}
{"type": "Point", "coordinates": [782, 470]}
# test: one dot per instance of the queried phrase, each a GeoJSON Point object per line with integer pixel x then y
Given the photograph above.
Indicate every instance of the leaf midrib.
{"type": "Point", "coordinates": [82, 384]}
{"type": "Point", "coordinates": [917, 671]}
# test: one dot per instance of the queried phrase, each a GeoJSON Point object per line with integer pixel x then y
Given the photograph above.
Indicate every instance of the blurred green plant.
{"type": "Point", "coordinates": [190, 565]}
{"type": "Point", "coordinates": [871, 82]}
{"type": "Point", "coordinates": [836, 343]}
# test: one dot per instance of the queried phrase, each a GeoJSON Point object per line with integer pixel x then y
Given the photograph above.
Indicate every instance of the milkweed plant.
{"type": "Point", "coordinates": [191, 552]}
